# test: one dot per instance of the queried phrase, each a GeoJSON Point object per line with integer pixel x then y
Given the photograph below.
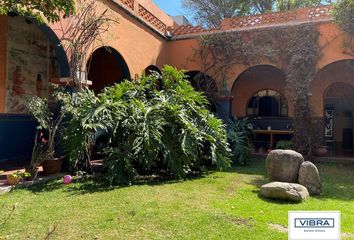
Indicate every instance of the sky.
{"type": "Point", "coordinates": [171, 7]}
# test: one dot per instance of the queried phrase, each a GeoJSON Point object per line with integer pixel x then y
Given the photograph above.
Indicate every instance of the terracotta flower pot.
{"type": "Point", "coordinates": [320, 151]}
{"type": "Point", "coordinates": [13, 180]}
{"type": "Point", "coordinates": [52, 166]}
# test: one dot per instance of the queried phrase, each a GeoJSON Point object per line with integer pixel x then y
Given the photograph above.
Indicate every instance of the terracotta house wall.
{"type": "Point", "coordinates": [138, 44]}
{"type": "Point", "coordinates": [333, 73]}
{"type": "Point", "coordinates": [141, 46]}
{"type": "Point", "coordinates": [250, 82]}
{"type": "Point", "coordinates": [3, 54]}
{"type": "Point", "coordinates": [331, 43]}
{"type": "Point", "coordinates": [180, 54]}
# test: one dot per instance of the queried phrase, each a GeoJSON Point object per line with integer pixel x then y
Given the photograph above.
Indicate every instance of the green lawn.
{"type": "Point", "coordinates": [222, 205]}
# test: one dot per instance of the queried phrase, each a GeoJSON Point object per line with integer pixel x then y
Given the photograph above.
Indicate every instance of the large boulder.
{"type": "Point", "coordinates": [284, 165]}
{"type": "Point", "coordinates": [284, 191]}
{"type": "Point", "coordinates": [310, 178]}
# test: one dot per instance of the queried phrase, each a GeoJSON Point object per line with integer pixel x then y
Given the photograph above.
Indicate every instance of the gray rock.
{"type": "Point", "coordinates": [284, 165]}
{"type": "Point", "coordinates": [310, 178]}
{"type": "Point", "coordinates": [284, 191]}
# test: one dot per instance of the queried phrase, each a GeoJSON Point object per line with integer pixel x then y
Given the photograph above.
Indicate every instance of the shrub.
{"type": "Point", "coordinates": [285, 145]}
{"type": "Point", "coordinates": [148, 129]}
{"type": "Point", "coordinates": [239, 135]}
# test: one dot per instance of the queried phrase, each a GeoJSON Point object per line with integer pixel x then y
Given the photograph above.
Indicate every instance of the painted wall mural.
{"type": "Point", "coordinates": [31, 63]}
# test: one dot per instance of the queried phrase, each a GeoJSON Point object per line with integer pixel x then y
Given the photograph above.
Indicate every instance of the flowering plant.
{"type": "Point", "coordinates": [39, 151]}
{"type": "Point", "coordinates": [48, 126]}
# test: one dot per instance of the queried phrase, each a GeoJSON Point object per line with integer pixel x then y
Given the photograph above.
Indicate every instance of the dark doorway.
{"type": "Point", "coordinates": [105, 68]}
{"type": "Point", "coordinates": [151, 69]}
{"type": "Point", "coordinates": [268, 107]}
{"type": "Point", "coordinates": [204, 83]}
{"type": "Point", "coordinates": [338, 117]}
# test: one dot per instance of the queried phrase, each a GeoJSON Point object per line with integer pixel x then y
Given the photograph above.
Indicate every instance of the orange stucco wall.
{"type": "Point", "coordinates": [258, 78]}
{"type": "Point", "coordinates": [137, 43]}
{"type": "Point", "coordinates": [140, 46]}
{"type": "Point", "coordinates": [331, 43]}
{"type": "Point", "coordinates": [180, 54]}
{"type": "Point", "coordinates": [338, 72]}
{"type": "Point", "coordinates": [3, 27]}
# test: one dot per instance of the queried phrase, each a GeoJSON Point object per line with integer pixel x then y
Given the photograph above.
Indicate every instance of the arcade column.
{"type": "Point", "coordinates": [224, 107]}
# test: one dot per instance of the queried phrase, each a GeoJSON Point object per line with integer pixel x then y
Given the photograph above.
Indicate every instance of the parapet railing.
{"type": "Point", "coordinates": [140, 11]}
{"type": "Point", "coordinates": [151, 18]}
{"type": "Point", "coordinates": [277, 18]}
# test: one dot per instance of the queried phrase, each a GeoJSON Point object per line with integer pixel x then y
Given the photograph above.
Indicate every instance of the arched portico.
{"type": "Point", "coordinates": [204, 83]}
{"type": "Point", "coordinates": [338, 110]}
{"type": "Point", "coordinates": [31, 59]}
{"type": "Point", "coordinates": [332, 99]}
{"type": "Point", "coordinates": [34, 57]}
{"type": "Point", "coordinates": [259, 93]}
{"type": "Point", "coordinates": [254, 79]}
{"type": "Point", "coordinates": [339, 71]}
{"type": "Point", "coordinates": [106, 67]}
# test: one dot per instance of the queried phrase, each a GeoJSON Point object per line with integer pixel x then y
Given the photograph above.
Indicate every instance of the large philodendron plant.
{"type": "Point", "coordinates": [48, 126]}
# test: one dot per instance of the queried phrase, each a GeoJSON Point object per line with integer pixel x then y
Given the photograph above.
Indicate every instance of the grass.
{"type": "Point", "coordinates": [221, 205]}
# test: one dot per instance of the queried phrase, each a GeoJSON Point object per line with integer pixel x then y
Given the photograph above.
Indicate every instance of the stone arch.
{"type": "Point", "coordinates": [335, 72]}
{"type": "Point", "coordinates": [59, 50]}
{"type": "Point", "coordinates": [204, 83]}
{"type": "Point", "coordinates": [105, 67]}
{"type": "Point", "coordinates": [267, 99]}
{"type": "Point", "coordinates": [338, 101]}
{"type": "Point", "coordinates": [254, 79]}
{"type": "Point", "coordinates": [339, 90]}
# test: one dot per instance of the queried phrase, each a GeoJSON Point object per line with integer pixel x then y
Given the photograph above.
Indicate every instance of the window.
{"type": "Point", "coordinates": [267, 103]}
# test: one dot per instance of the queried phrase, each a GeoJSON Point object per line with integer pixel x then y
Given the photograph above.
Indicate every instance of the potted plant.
{"type": "Point", "coordinates": [48, 123]}
{"type": "Point", "coordinates": [39, 154]}
{"type": "Point", "coordinates": [319, 150]}
{"type": "Point", "coordinates": [16, 177]}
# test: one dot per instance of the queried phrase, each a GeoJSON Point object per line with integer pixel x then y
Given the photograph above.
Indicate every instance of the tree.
{"type": "Point", "coordinates": [210, 13]}
{"type": "Point", "coordinates": [286, 5]}
{"type": "Point", "coordinates": [42, 10]}
{"type": "Point", "coordinates": [261, 6]}
{"type": "Point", "coordinates": [344, 15]}
{"type": "Point", "coordinates": [80, 31]}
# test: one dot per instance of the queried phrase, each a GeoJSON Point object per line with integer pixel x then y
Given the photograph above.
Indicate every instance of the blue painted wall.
{"type": "Point", "coordinates": [16, 140]}
{"type": "Point", "coordinates": [224, 110]}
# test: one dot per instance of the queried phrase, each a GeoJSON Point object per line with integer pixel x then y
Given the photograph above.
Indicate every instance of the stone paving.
{"type": "Point", "coordinates": [5, 188]}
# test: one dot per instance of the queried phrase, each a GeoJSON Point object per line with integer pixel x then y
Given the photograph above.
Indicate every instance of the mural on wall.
{"type": "Point", "coordinates": [31, 62]}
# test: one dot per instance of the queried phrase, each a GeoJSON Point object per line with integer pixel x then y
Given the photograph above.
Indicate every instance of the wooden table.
{"type": "Point", "coordinates": [271, 134]}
